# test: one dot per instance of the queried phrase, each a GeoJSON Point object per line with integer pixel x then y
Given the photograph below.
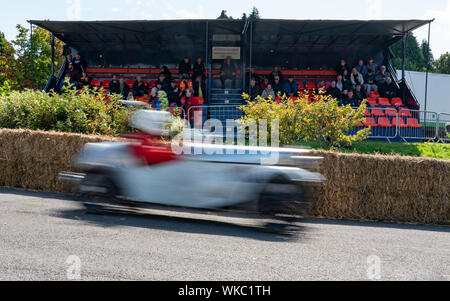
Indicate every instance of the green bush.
{"type": "Point", "coordinates": [322, 120]}
{"type": "Point", "coordinates": [84, 112]}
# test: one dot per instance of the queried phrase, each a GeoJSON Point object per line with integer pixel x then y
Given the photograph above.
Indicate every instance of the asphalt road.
{"type": "Point", "coordinates": [42, 236]}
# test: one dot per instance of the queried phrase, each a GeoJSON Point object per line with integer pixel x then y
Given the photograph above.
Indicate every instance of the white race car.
{"type": "Point", "coordinates": [145, 170]}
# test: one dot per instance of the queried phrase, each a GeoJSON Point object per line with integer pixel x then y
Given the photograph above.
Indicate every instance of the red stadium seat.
{"type": "Point", "coordinates": [384, 122]}
{"type": "Point", "coordinates": [382, 101]}
{"type": "Point", "coordinates": [152, 84]}
{"type": "Point", "coordinates": [310, 85]}
{"type": "Point", "coordinates": [372, 101]}
{"type": "Point", "coordinates": [397, 102]}
{"type": "Point", "coordinates": [130, 83]}
{"type": "Point", "coordinates": [391, 112]}
{"type": "Point", "coordinates": [95, 83]}
{"type": "Point", "coordinates": [378, 112]}
{"type": "Point", "coordinates": [105, 83]}
{"type": "Point", "coordinates": [300, 86]}
{"type": "Point", "coordinates": [367, 113]}
{"type": "Point", "coordinates": [374, 94]}
{"type": "Point", "coordinates": [370, 121]}
{"type": "Point", "coordinates": [399, 123]}
{"type": "Point", "coordinates": [405, 113]}
{"type": "Point", "coordinates": [413, 123]}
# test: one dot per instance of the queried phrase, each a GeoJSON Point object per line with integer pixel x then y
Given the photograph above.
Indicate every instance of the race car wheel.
{"type": "Point", "coordinates": [281, 196]}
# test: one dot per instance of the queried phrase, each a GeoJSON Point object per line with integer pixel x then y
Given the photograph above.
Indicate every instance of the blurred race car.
{"type": "Point", "coordinates": [146, 170]}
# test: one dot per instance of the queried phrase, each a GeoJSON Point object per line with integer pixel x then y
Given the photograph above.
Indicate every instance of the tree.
{"type": "Point", "coordinates": [415, 60]}
{"type": "Point", "coordinates": [40, 53]}
{"type": "Point", "coordinates": [223, 15]}
{"type": "Point", "coordinates": [427, 53]}
{"type": "Point", "coordinates": [8, 73]}
{"type": "Point", "coordinates": [442, 64]}
{"type": "Point", "coordinates": [254, 15]}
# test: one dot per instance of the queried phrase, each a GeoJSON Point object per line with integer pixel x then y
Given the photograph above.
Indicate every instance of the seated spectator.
{"type": "Point", "coordinates": [359, 93]}
{"type": "Point", "coordinates": [356, 78]}
{"type": "Point", "coordinates": [290, 87]}
{"type": "Point", "coordinates": [253, 90]}
{"type": "Point", "coordinates": [372, 66]}
{"type": "Point", "coordinates": [84, 81]}
{"type": "Point", "coordinates": [185, 67]}
{"type": "Point", "coordinates": [124, 90]}
{"type": "Point", "coordinates": [164, 80]}
{"type": "Point", "coordinates": [277, 86]}
{"type": "Point", "coordinates": [153, 100]}
{"type": "Point", "coordinates": [361, 68]}
{"type": "Point", "coordinates": [342, 67]}
{"type": "Point", "coordinates": [166, 73]}
{"type": "Point", "coordinates": [114, 85]}
{"type": "Point", "coordinates": [130, 96]}
{"type": "Point", "coordinates": [173, 94]}
{"type": "Point", "coordinates": [228, 71]}
{"type": "Point", "coordinates": [382, 75]}
{"type": "Point", "coordinates": [139, 87]}
{"type": "Point", "coordinates": [158, 86]}
{"type": "Point", "coordinates": [79, 64]}
{"type": "Point", "coordinates": [252, 74]}
{"type": "Point", "coordinates": [388, 89]}
{"type": "Point", "coordinates": [321, 86]}
{"type": "Point", "coordinates": [369, 81]}
{"type": "Point", "coordinates": [350, 99]}
{"type": "Point", "coordinates": [199, 87]}
{"type": "Point", "coordinates": [276, 72]}
{"type": "Point", "coordinates": [347, 81]}
{"type": "Point", "coordinates": [334, 91]}
{"type": "Point", "coordinates": [340, 83]}
{"type": "Point", "coordinates": [199, 69]}
{"type": "Point", "coordinates": [264, 83]}
{"type": "Point", "coordinates": [185, 84]}
{"type": "Point", "coordinates": [74, 75]}
{"type": "Point", "coordinates": [268, 92]}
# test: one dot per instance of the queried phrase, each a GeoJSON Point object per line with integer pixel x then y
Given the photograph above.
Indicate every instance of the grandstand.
{"type": "Point", "coordinates": [309, 50]}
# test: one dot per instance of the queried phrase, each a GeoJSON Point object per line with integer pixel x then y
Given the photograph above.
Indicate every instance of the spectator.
{"type": "Point", "coordinates": [370, 82]}
{"type": "Point", "coordinates": [114, 85]}
{"type": "Point", "coordinates": [199, 69]}
{"type": "Point", "coordinates": [153, 100]}
{"type": "Point", "coordinates": [188, 102]}
{"type": "Point", "coordinates": [228, 71]}
{"type": "Point", "coordinates": [79, 64]}
{"type": "Point", "coordinates": [342, 67]}
{"type": "Point", "coordinates": [252, 74]}
{"type": "Point", "coordinates": [382, 75]}
{"type": "Point", "coordinates": [321, 86]}
{"type": "Point", "coordinates": [173, 93]}
{"type": "Point", "coordinates": [185, 84]}
{"type": "Point", "coordinates": [372, 66]}
{"type": "Point", "coordinates": [277, 86]}
{"type": "Point", "coordinates": [84, 81]}
{"type": "Point", "coordinates": [74, 75]}
{"type": "Point", "coordinates": [69, 59]}
{"type": "Point", "coordinates": [361, 68]}
{"type": "Point", "coordinates": [276, 72]}
{"type": "Point", "coordinates": [185, 67]}
{"type": "Point", "coordinates": [356, 78]}
{"type": "Point", "coordinates": [253, 90]}
{"type": "Point", "coordinates": [139, 87]}
{"type": "Point", "coordinates": [164, 81]}
{"type": "Point", "coordinates": [158, 86]}
{"type": "Point", "coordinates": [264, 83]}
{"type": "Point", "coordinates": [340, 83]}
{"type": "Point", "coordinates": [347, 81]}
{"type": "Point", "coordinates": [130, 96]}
{"type": "Point", "coordinates": [388, 89]}
{"type": "Point", "coordinates": [359, 93]}
{"type": "Point", "coordinates": [290, 87]}
{"type": "Point", "coordinates": [199, 87]}
{"type": "Point", "coordinates": [268, 92]}
{"type": "Point", "coordinates": [334, 91]}
{"type": "Point", "coordinates": [350, 99]}
{"type": "Point", "coordinates": [166, 73]}
{"type": "Point", "coordinates": [124, 90]}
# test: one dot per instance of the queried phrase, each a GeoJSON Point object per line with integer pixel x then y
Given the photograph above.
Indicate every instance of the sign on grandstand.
{"type": "Point", "coordinates": [221, 53]}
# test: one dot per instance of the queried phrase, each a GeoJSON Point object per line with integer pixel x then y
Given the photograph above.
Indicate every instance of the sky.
{"type": "Point", "coordinates": [19, 11]}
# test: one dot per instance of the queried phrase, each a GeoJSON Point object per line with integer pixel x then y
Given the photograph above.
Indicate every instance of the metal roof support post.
{"type": "Point", "coordinates": [32, 56]}
{"type": "Point", "coordinates": [53, 56]}
{"type": "Point", "coordinates": [208, 62]}
{"type": "Point", "coordinates": [404, 66]}
{"type": "Point", "coordinates": [251, 47]}
{"type": "Point", "coordinates": [428, 65]}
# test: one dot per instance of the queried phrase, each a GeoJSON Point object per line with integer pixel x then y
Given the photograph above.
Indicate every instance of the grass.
{"type": "Point", "coordinates": [431, 150]}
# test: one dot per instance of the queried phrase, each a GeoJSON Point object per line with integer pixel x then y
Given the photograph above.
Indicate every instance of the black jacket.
{"type": "Point", "coordinates": [352, 102]}
{"type": "Point", "coordinates": [196, 85]}
{"type": "Point", "coordinates": [80, 65]}
{"type": "Point", "coordinates": [228, 70]}
{"type": "Point", "coordinates": [199, 69]}
{"type": "Point", "coordinates": [184, 68]}
{"type": "Point", "coordinates": [388, 90]}
{"type": "Point", "coordinates": [114, 87]}
{"type": "Point", "coordinates": [253, 92]}
{"type": "Point", "coordinates": [139, 88]}
{"type": "Point", "coordinates": [273, 74]}
{"type": "Point", "coordinates": [173, 95]}
{"type": "Point", "coordinates": [340, 69]}
{"type": "Point", "coordinates": [278, 88]}
{"type": "Point", "coordinates": [334, 92]}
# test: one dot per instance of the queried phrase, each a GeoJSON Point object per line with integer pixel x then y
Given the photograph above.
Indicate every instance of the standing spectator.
{"type": "Point", "coordinates": [342, 67]}
{"type": "Point", "coordinates": [228, 71]}
{"type": "Point", "coordinates": [382, 75]}
{"type": "Point", "coordinates": [356, 78]}
{"type": "Point", "coordinates": [139, 87]}
{"type": "Point", "coordinates": [74, 75]}
{"type": "Point", "coordinates": [185, 67]}
{"type": "Point", "coordinates": [277, 86]}
{"type": "Point", "coordinates": [388, 89]}
{"type": "Point", "coordinates": [268, 92]}
{"type": "Point", "coordinates": [114, 85]}
{"type": "Point", "coordinates": [199, 87]}
{"type": "Point", "coordinates": [166, 73]}
{"type": "Point", "coordinates": [188, 103]}
{"type": "Point", "coordinates": [372, 66]}
{"type": "Point", "coordinates": [199, 69]}
{"type": "Point", "coordinates": [276, 72]}
{"type": "Point", "coordinates": [69, 59]}
{"type": "Point", "coordinates": [334, 91]}
{"type": "Point", "coordinates": [370, 82]}
{"type": "Point", "coordinates": [361, 68]}
{"type": "Point", "coordinates": [253, 90]}
{"type": "Point", "coordinates": [79, 64]}
{"type": "Point", "coordinates": [290, 87]}
{"type": "Point", "coordinates": [173, 93]}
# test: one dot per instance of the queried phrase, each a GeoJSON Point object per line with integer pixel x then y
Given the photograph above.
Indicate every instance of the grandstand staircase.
{"type": "Point", "coordinates": [226, 97]}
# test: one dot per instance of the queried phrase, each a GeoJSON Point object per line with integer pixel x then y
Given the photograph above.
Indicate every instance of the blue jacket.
{"type": "Point", "coordinates": [362, 70]}
{"type": "Point", "coordinates": [288, 88]}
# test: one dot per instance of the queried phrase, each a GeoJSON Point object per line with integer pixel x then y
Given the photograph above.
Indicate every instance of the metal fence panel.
{"type": "Point", "coordinates": [443, 128]}
{"type": "Point", "coordinates": [417, 125]}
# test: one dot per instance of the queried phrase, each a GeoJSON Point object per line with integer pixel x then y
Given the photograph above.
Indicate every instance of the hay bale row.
{"type": "Point", "coordinates": [386, 188]}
